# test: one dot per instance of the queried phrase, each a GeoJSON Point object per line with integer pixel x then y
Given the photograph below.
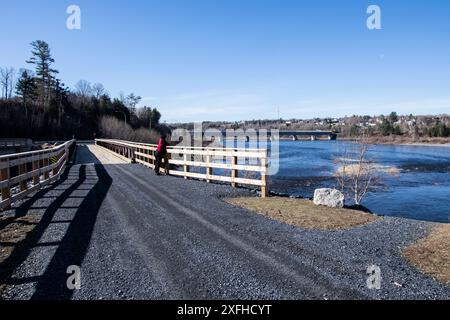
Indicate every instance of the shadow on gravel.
{"type": "Point", "coordinates": [73, 245]}
{"type": "Point", "coordinates": [22, 250]}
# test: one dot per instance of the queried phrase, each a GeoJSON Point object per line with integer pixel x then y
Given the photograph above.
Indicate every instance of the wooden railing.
{"type": "Point", "coordinates": [25, 172]}
{"type": "Point", "coordinates": [181, 160]}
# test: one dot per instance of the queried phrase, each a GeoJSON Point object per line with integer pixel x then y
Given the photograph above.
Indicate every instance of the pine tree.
{"type": "Point", "coordinates": [60, 93]}
{"type": "Point", "coordinates": [42, 60]}
{"type": "Point", "coordinates": [132, 101]}
{"type": "Point", "coordinates": [26, 89]}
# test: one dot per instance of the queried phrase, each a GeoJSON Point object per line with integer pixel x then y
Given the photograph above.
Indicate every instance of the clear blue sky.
{"type": "Point", "coordinates": [230, 60]}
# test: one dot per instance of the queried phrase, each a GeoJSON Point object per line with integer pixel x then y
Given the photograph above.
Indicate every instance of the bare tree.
{"type": "Point", "coordinates": [12, 83]}
{"type": "Point", "coordinates": [113, 128]}
{"type": "Point", "coordinates": [7, 80]}
{"type": "Point", "coordinates": [84, 88]}
{"type": "Point", "coordinates": [98, 90]}
{"type": "Point", "coordinates": [123, 98]}
{"type": "Point", "coordinates": [356, 174]}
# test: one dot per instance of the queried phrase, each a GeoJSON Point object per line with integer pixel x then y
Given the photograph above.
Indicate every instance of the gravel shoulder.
{"type": "Point", "coordinates": [140, 236]}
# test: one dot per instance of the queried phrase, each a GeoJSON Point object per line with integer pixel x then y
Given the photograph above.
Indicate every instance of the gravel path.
{"type": "Point", "coordinates": [140, 236]}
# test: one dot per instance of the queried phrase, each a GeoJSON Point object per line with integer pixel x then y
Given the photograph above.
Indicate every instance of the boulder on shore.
{"type": "Point", "coordinates": [329, 197]}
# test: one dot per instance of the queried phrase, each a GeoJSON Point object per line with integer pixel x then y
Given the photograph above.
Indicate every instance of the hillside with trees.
{"type": "Point", "coordinates": [392, 128]}
{"type": "Point", "coordinates": [36, 104]}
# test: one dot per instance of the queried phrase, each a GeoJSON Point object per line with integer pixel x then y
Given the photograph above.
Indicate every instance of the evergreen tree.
{"type": "Point", "coordinates": [386, 127]}
{"type": "Point", "coordinates": [155, 117]}
{"type": "Point", "coordinates": [26, 89]}
{"type": "Point", "coordinates": [59, 99]}
{"type": "Point", "coordinates": [393, 117]}
{"type": "Point", "coordinates": [132, 101]}
{"type": "Point", "coordinates": [42, 60]}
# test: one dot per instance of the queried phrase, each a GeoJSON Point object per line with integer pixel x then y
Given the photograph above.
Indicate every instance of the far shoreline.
{"type": "Point", "coordinates": [377, 141]}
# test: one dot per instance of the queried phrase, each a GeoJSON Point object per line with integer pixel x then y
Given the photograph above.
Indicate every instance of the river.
{"type": "Point", "coordinates": [418, 188]}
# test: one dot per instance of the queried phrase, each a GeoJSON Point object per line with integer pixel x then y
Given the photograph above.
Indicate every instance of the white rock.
{"type": "Point", "coordinates": [329, 197]}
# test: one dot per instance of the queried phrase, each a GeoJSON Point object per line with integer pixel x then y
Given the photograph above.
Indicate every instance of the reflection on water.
{"type": "Point", "coordinates": [420, 190]}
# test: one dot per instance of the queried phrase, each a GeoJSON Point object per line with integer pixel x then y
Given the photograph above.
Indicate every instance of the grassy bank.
{"type": "Point", "coordinates": [12, 232]}
{"type": "Point", "coordinates": [304, 213]}
{"type": "Point", "coordinates": [431, 255]}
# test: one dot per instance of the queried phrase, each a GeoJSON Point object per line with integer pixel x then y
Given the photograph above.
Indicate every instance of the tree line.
{"type": "Point", "coordinates": [408, 127]}
{"type": "Point", "coordinates": [36, 104]}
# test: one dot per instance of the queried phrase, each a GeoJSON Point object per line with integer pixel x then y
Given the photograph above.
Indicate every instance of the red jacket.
{"type": "Point", "coordinates": [162, 144]}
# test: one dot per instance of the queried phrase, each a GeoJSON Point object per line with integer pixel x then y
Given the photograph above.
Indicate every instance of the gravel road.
{"type": "Point", "coordinates": [136, 235]}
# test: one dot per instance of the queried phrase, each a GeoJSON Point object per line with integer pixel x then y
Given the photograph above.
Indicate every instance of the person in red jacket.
{"type": "Point", "coordinates": [161, 151]}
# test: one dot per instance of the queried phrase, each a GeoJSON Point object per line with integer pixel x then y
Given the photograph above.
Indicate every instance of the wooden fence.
{"type": "Point", "coordinates": [181, 160]}
{"type": "Point", "coordinates": [23, 173]}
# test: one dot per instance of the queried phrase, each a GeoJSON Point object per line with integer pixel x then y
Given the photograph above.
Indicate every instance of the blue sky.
{"type": "Point", "coordinates": [230, 60]}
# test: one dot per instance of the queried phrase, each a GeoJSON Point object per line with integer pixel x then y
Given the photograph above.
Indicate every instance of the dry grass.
{"type": "Point", "coordinates": [431, 255]}
{"type": "Point", "coordinates": [355, 169]}
{"type": "Point", "coordinates": [12, 232]}
{"type": "Point", "coordinates": [304, 213]}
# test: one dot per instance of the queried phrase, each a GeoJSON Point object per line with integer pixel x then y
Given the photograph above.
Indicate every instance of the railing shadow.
{"type": "Point", "coordinates": [72, 248]}
{"type": "Point", "coordinates": [74, 245]}
{"type": "Point", "coordinates": [23, 248]}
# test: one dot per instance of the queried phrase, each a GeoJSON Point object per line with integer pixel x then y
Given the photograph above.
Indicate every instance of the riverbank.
{"type": "Point", "coordinates": [431, 255]}
{"type": "Point", "coordinates": [304, 213]}
{"type": "Point", "coordinates": [402, 140]}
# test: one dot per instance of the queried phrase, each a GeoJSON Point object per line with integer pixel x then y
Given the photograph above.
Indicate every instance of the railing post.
{"type": "Point", "coordinates": [36, 178]}
{"type": "Point", "coordinates": [6, 191]}
{"type": "Point", "coordinates": [208, 168]}
{"type": "Point", "coordinates": [45, 165]}
{"type": "Point", "coordinates": [166, 163]}
{"type": "Point", "coordinates": [55, 169]}
{"type": "Point", "coordinates": [185, 166]}
{"type": "Point", "coordinates": [22, 170]}
{"type": "Point", "coordinates": [233, 171]}
{"type": "Point", "coordinates": [264, 192]}
{"type": "Point", "coordinates": [66, 154]}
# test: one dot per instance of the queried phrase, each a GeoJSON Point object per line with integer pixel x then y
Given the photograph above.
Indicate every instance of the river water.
{"type": "Point", "coordinates": [417, 185]}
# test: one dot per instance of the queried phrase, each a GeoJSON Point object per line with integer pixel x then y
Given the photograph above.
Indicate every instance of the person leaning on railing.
{"type": "Point", "coordinates": [161, 151]}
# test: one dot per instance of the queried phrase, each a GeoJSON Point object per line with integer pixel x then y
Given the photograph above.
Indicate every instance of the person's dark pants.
{"type": "Point", "coordinates": [159, 157]}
